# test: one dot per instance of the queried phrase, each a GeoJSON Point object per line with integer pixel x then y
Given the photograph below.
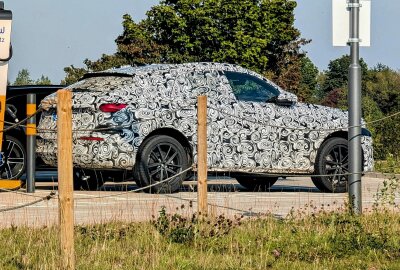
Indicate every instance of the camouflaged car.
{"type": "Point", "coordinates": [142, 121]}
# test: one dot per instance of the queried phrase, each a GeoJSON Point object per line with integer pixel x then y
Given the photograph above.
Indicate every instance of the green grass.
{"type": "Point", "coordinates": [324, 241]}
{"type": "Point", "coordinates": [390, 165]}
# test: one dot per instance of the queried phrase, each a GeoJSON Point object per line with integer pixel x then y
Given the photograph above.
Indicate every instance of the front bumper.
{"type": "Point", "coordinates": [368, 153]}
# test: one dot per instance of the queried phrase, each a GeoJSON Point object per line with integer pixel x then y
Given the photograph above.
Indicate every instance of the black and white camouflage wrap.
{"type": "Point", "coordinates": [242, 136]}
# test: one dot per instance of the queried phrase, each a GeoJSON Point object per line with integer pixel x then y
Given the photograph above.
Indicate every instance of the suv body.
{"type": "Point", "coordinates": [253, 125]}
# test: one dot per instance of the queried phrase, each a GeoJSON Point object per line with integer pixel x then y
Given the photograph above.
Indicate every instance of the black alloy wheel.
{"type": "Point", "coordinates": [161, 157]}
{"type": "Point", "coordinates": [13, 159]}
{"type": "Point", "coordinates": [332, 166]}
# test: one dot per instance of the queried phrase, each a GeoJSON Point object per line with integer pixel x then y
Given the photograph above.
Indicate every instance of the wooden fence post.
{"type": "Point", "coordinates": [65, 178]}
{"type": "Point", "coordinates": [202, 155]}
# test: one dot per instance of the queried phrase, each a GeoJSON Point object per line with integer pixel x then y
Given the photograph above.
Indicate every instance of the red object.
{"type": "Point", "coordinates": [91, 139]}
{"type": "Point", "coordinates": [112, 107]}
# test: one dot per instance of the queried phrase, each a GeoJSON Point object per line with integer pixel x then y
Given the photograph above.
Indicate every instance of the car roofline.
{"type": "Point", "coordinates": [27, 87]}
{"type": "Point", "coordinates": [158, 67]}
{"type": "Point", "coordinates": [104, 74]}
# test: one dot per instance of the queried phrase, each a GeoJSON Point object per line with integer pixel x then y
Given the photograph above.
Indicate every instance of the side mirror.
{"type": "Point", "coordinates": [286, 99]}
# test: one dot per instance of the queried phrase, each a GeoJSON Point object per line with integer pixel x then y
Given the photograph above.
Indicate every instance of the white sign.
{"type": "Point", "coordinates": [5, 35]}
{"type": "Point", "coordinates": [341, 22]}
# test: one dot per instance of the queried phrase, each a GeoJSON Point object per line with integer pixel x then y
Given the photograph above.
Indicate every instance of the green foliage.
{"type": "Point", "coordinates": [325, 241]}
{"type": "Point", "coordinates": [257, 34]}
{"type": "Point", "coordinates": [308, 84]}
{"type": "Point", "coordinates": [338, 73]}
{"type": "Point", "coordinates": [390, 190]}
{"type": "Point", "coordinates": [372, 112]}
{"type": "Point", "coordinates": [179, 229]}
{"type": "Point", "coordinates": [382, 98]}
{"type": "Point", "coordinates": [73, 74]}
{"type": "Point", "coordinates": [105, 62]}
{"type": "Point", "coordinates": [383, 86]}
{"type": "Point", "coordinates": [43, 80]}
{"type": "Point", "coordinates": [24, 78]}
{"type": "Point", "coordinates": [137, 45]}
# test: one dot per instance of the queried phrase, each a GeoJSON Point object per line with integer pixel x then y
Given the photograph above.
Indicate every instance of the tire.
{"type": "Point", "coordinates": [13, 159]}
{"type": "Point", "coordinates": [89, 179]}
{"type": "Point", "coordinates": [161, 157]}
{"type": "Point", "coordinates": [332, 159]}
{"type": "Point", "coordinates": [254, 182]}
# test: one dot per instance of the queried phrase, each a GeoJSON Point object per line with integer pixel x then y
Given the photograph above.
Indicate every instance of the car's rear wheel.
{"type": "Point", "coordinates": [13, 159]}
{"type": "Point", "coordinates": [332, 166]}
{"type": "Point", "coordinates": [89, 179]}
{"type": "Point", "coordinates": [255, 182]}
{"type": "Point", "coordinates": [161, 157]}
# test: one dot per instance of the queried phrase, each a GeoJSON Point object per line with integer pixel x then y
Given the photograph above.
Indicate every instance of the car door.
{"type": "Point", "coordinates": [262, 144]}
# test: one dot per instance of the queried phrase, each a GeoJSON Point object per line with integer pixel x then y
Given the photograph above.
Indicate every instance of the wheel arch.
{"type": "Point", "coordinates": [176, 134]}
{"type": "Point", "coordinates": [336, 134]}
{"type": "Point", "coordinates": [17, 133]}
{"type": "Point", "coordinates": [339, 134]}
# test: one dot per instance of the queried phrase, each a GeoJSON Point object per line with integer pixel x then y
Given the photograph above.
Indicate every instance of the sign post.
{"type": "Point", "coordinates": [355, 160]}
{"type": "Point", "coordinates": [5, 56]}
{"type": "Point", "coordinates": [347, 15]}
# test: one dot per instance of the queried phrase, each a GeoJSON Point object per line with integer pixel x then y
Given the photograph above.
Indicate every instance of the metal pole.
{"type": "Point", "coordinates": [355, 163]}
{"type": "Point", "coordinates": [31, 143]}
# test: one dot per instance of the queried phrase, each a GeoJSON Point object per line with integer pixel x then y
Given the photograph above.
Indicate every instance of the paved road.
{"type": "Point", "coordinates": [225, 197]}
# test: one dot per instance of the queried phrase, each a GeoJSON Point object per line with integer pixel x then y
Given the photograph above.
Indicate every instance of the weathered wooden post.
{"type": "Point", "coordinates": [202, 155]}
{"type": "Point", "coordinates": [65, 178]}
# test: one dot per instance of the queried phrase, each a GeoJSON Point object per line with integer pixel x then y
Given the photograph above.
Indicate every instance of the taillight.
{"type": "Point", "coordinates": [112, 107]}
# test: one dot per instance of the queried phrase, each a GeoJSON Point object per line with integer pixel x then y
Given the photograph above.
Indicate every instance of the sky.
{"type": "Point", "coordinates": [49, 35]}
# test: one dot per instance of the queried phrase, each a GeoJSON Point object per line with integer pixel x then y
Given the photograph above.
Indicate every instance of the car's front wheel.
{"type": "Point", "coordinates": [254, 182]}
{"type": "Point", "coordinates": [332, 166]}
{"type": "Point", "coordinates": [12, 159]}
{"type": "Point", "coordinates": [161, 157]}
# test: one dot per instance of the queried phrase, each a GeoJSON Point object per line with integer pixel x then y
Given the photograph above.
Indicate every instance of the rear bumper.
{"type": "Point", "coordinates": [112, 153]}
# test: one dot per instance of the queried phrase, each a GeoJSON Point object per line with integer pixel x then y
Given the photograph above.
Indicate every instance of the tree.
{"type": "Point", "coordinates": [73, 74]}
{"type": "Point", "coordinates": [105, 62]}
{"type": "Point", "coordinates": [23, 78]}
{"type": "Point", "coordinates": [335, 85]}
{"type": "Point", "coordinates": [382, 98]}
{"type": "Point", "coordinates": [137, 45]}
{"type": "Point", "coordinates": [383, 87]}
{"type": "Point", "coordinates": [308, 83]}
{"type": "Point", "coordinates": [337, 75]}
{"type": "Point", "coordinates": [44, 80]}
{"type": "Point", "coordinates": [257, 34]}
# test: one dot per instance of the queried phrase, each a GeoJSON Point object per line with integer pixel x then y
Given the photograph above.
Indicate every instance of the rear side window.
{"type": "Point", "coordinates": [249, 88]}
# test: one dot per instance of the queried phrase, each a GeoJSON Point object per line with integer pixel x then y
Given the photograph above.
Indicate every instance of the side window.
{"type": "Point", "coordinates": [249, 88]}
